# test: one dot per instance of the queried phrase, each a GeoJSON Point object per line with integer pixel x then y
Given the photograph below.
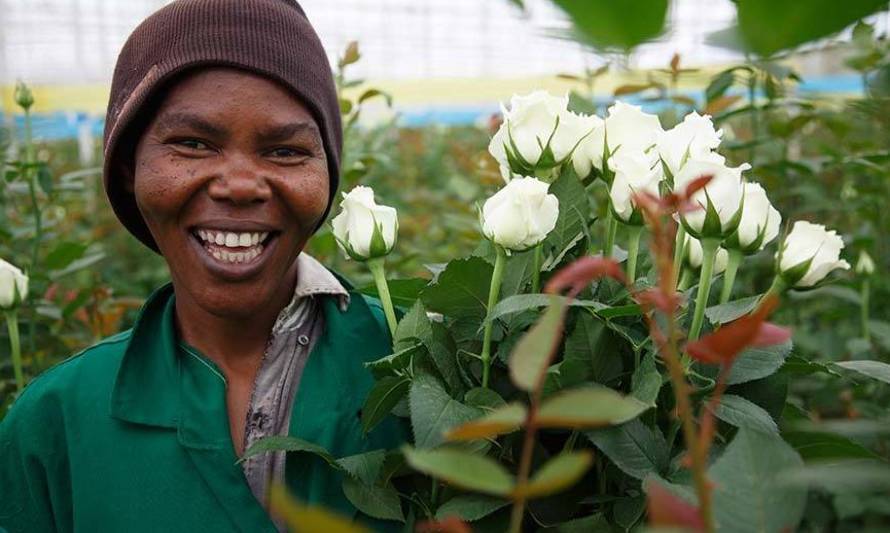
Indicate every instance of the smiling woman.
{"type": "Point", "coordinates": [222, 154]}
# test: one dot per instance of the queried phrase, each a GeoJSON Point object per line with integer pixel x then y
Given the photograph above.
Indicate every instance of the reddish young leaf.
{"type": "Point", "coordinates": [723, 345]}
{"type": "Point", "coordinates": [770, 335]}
{"type": "Point", "coordinates": [657, 299]}
{"type": "Point", "coordinates": [452, 524]}
{"type": "Point", "coordinates": [580, 273]}
{"type": "Point", "coordinates": [652, 203]}
{"type": "Point", "coordinates": [668, 510]}
{"type": "Point", "coordinates": [696, 185]}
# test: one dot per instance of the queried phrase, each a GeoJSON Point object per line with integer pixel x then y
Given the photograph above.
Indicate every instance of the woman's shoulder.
{"type": "Point", "coordinates": [81, 379]}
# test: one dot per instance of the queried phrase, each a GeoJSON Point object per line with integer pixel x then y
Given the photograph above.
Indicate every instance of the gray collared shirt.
{"type": "Point", "coordinates": [294, 334]}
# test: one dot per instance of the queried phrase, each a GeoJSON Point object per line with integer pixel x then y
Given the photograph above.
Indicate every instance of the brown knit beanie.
{"type": "Point", "coordinates": [272, 38]}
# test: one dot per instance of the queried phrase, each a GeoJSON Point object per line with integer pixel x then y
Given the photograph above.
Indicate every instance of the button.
{"type": "Point", "coordinates": [303, 339]}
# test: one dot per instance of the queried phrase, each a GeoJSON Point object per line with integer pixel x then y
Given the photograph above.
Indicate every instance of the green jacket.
{"type": "Point", "coordinates": [132, 433]}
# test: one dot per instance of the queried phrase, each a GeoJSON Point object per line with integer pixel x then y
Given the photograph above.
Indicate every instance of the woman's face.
{"type": "Point", "coordinates": [231, 178]}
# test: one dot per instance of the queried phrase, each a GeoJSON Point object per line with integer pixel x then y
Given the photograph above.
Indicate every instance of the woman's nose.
{"type": "Point", "coordinates": [240, 182]}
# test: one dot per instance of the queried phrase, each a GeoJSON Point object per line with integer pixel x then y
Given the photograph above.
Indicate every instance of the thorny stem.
{"type": "Point", "coordinates": [528, 444]}
{"type": "Point", "coordinates": [671, 357]}
{"type": "Point", "coordinates": [633, 249]}
{"type": "Point", "coordinates": [709, 255]}
{"type": "Point", "coordinates": [732, 267]}
{"type": "Point", "coordinates": [377, 270]}
{"type": "Point", "coordinates": [667, 346]}
{"type": "Point", "coordinates": [493, 292]}
{"type": "Point", "coordinates": [12, 324]}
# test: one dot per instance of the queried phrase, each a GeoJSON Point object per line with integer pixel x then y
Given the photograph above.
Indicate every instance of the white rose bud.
{"type": "Point", "coordinates": [13, 285]}
{"type": "Point", "coordinates": [635, 172]}
{"type": "Point", "coordinates": [809, 253]}
{"type": "Point", "coordinates": [759, 224]}
{"type": "Point", "coordinates": [626, 128]}
{"type": "Point", "coordinates": [538, 134]}
{"type": "Point", "coordinates": [363, 229]}
{"type": "Point", "coordinates": [694, 138]}
{"type": "Point", "coordinates": [695, 255]}
{"type": "Point", "coordinates": [865, 266]}
{"type": "Point", "coordinates": [719, 202]}
{"type": "Point", "coordinates": [520, 215]}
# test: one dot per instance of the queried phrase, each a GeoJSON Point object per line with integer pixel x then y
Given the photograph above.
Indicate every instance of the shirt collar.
{"type": "Point", "coordinates": [146, 389]}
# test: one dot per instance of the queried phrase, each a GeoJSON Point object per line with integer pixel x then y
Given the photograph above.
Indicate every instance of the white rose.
{"type": "Point", "coordinates": [719, 201]}
{"type": "Point", "coordinates": [809, 253]}
{"type": "Point", "coordinates": [363, 229]}
{"type": "Point", "coordinates": [533, 123]}
{"type": "Point", "coordinates": [694, 138]}
{"type": "Point", "coordinates": [635, 172]}
{"type": "Point", "coordinates": [13, 285]}
{"type": "Point", "coordinates": [520, 215]}
{"type": "Point", "coordinates": [580, 128]}
{"type": "Point", "coordinates": [694, 256]}
{"type": "Point", "coordinates": [865, 266]}
{"type": "Point", "coordinates": [759, 224]}
{"type": "Point", "coordinates": [627, 128]}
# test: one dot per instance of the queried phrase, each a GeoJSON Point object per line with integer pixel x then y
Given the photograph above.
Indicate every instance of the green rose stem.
{"type": "Point", "coordinates": [377, 270]}
{"type": "Point", "coordinates": [709, 255]}
{"type": "Point", "coordinates": [12, 323]}
{"type": "Point", "coordinates": [633, 250]}
{"type": "Point", "coordinates": [732, 268]}
{"type": "Point", "coordinates": [685, 280]}
{"type": "Point", "coordinates": [776, 288]}
{"type": "Point", "coordinates": [611, 231]}
{"type": "Point", "coordinates": [864, 292]}
{"type": "Point", "coordinates": [679, 250]}
{"type": "Point", "coordinates": [495, 288]}
{"type": "Point", "coordinates": [536, 272]}
{"type": "Point", "coordinates": [31, 177]}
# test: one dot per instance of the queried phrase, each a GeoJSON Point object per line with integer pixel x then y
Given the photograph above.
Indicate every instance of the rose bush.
{"type": "Point", "coordinates": [520, 364]}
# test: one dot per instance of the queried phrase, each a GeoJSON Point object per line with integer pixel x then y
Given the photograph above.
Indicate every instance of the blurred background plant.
{"type": "Point", "coordinates": [823, 155]}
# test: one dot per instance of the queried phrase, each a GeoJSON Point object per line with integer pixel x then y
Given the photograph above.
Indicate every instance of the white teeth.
{"type": "Point", "coordinates": [248, 244]}
{"type": "Point", "coordinates": [235, 257]}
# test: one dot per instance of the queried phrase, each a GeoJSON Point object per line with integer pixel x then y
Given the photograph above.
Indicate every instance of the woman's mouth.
{"type": "Point", "coordinates": [232, 247]}
{"type": "Point", "coordinates": [233, 254]}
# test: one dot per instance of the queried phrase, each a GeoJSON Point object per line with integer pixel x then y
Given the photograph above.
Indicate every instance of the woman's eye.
{"type": "Point", "coordinates": [192, 144]}
{"type": "Point", "coordinates": [286, 153]}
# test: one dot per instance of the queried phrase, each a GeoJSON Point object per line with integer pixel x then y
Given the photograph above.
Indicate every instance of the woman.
{"type": "Point", "coordinates": [222, 148]}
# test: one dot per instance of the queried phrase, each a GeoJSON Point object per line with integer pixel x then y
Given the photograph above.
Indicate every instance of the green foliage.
{"type": "Point", "coordinates": [621, 25]}
{"type": "Point", "coordinates": [463, 469]}
{"type": "Point", "coordinates": [768, 26]}
{"type": "Point", "coordinates": [434, 411]}
{"type": "Point", "coordinates": [744, 413]}
{"type": "Point", "coordinates": [634, 447]}
{"type": "Point", "coordinates": [749, 492]}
